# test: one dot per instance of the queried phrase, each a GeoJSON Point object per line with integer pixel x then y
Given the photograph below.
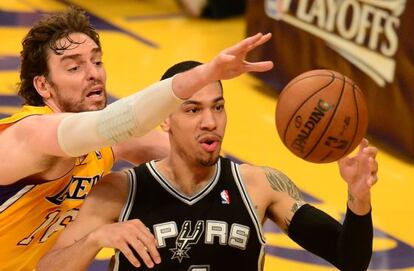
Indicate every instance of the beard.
{"type": "Point", "coordinates": [77, 106]}
{"type": "Point", "coordinates": [80, 106]}
{"type": "Point", "coordinates": [210, 161]}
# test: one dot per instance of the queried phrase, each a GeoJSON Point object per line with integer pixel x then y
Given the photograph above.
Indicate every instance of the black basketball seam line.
{"type": "Point", "coordinates": [317, 74]}
{"type": "Point", "coordinates": [350, 82]}
{"type": "Point", "coordinates": [298, 107]}
{"type": "Point", "coordinates": [330, 120]}
{"type": "Point", "coordinates": [294, 82]}
{"type": "Point", "coordinates": [355, 89]}
{"type": "Point", "coordinates": [359, 90]}
{"type": "Point", "coordinates": [357, 118]}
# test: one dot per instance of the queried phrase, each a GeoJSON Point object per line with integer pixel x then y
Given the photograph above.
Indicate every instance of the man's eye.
{"type": "Point", "coordinates": [192, 110]}
{"type": "Point", "coordinates": [73, 69]}
{"type": "Point", "coordinates": [219, 107]}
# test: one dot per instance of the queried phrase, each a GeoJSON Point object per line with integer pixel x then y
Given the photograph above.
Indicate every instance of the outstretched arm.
{"type": "Point", "coordinates": [94, 229]}
{"type": "Point", "coordinates": [228, 64]}
{"type": "Point", "coordinates": [139, 113]}
{"type": "Point", "coordinates": [347, 246]}
{"type": "Point", "coordinates": [39, 138]}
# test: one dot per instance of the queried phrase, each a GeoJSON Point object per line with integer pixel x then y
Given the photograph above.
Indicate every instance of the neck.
{"type": "Point", "coordinates": [52, 106]}
{"type": "Point", "coordinates": [186, 177]}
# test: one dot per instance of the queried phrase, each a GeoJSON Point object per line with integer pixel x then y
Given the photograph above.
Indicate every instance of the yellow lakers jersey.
{"type": "Point", "coordinates": [32, 216]}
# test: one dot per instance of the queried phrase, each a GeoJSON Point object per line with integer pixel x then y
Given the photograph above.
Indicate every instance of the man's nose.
{"type": "Point", "coordinates": [208, 121]}
{"type": "Point", "coordinates": [93, 71]}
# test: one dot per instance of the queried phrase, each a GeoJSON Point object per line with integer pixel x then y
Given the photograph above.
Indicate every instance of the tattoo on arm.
{"type": "Point", "coordinates": [280, 182]}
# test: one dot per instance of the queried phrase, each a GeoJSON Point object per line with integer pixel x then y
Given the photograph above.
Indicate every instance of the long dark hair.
{"type": "Point", "coordinates": [43, 36]}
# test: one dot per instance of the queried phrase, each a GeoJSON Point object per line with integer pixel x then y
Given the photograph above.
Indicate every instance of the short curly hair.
{"type": "Point", "coordinates": [43, 36]}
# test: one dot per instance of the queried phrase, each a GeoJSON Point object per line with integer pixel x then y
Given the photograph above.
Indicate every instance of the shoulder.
{"type": "Point", "coordinates": [267, 178]}
{"type": "Point", "coordinates": [251, 172]}
{"type": "Point", "coordinates": [254, 172]}
{"type": "Point", "coordinates": [109, 194]}
{"type": "Point", "coordinates": [113, 186]}
{"type": "Point", "coordinates": [117, 180]}
{"type": "Point", "coordinates": [255, 177]}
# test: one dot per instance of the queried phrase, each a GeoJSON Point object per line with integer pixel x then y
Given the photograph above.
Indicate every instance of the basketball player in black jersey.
{"type": "Point", "coordinates": [195, 210]}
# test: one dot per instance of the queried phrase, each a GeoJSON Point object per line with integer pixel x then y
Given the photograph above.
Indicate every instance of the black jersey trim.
{"type": "Point", "coordinates": [116, 263]}
{"type": "Point", "coordinates": [247, 202]}
{"type": "Point", "coordinates": [126, 210]}
{"type": "Point", "coordinates": [129, 203]}
{"type": "Point", "coordinates": [173, 191]}
{"type": "Point", "coordinates": [260, 262]}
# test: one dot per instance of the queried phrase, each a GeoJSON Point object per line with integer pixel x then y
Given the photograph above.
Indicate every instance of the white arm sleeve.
{"type": "Point", "coordinates": [135, 115]}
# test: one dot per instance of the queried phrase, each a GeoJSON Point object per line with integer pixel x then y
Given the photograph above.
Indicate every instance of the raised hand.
{"type": "Point", "coordinates": [231, 62]}
{"type": "Point", "coordinates": [228, 64]}
{"type": "Point", "coordinates": [125, 236]}
{"type": "Point", "coordinates": [360, 173]}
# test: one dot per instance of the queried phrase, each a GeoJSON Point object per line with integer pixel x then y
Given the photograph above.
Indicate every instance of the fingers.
{"type": "Point", "coordinates": [249, 44]}
{"type": "Point", "coordinates": [364, 143]}
{"type": "Point", "coordinates": [149, 243]}
{"type": "Point", "coordinates": [364, 148]}
{"type": "Point", "coordinates": [141, 248]}
{"type": "Point", "coordinates": [373, 166]}
{"type": "Point", "coordinates": [258, 66]}
{"type": "Point", "coordinates": [129, 255]}
{"type": "Point", "coordinates": [263, 39]}
{"type": "Point", "coordinates": [145, 244]}
{"type": "Point", "coordinates": [372, 180]}
{"type": "Point", "coordinates": [371, 151]}
{"type": "Point", "coordinates": [133, 238]}
{"type": "Point", "coordinates": [243, 45]}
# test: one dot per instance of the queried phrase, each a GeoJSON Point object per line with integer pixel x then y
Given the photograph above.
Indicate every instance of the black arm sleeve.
{"type": "Point", "coordinates": [347, 246]}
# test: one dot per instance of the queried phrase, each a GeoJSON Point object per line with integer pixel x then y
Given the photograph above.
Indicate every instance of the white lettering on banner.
{"type": "Point", "coordinates": [362, 31]}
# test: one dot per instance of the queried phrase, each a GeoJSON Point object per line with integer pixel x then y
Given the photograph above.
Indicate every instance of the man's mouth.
{"type": "Point", "coordinates": [210, 146]}
{"type": "Point", "coordinates": [96, 93]}
{"type": "Point", "coordinates": [210, 143]}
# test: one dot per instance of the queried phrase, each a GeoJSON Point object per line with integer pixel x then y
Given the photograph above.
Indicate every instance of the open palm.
{"type": "Point", "coordinates": [360, 171]}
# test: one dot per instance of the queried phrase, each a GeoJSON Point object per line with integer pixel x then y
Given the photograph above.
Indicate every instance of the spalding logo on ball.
{"type": "Point", "coordinates": [321, 116]}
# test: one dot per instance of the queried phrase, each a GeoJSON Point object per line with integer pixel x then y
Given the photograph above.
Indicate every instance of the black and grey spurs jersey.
{"type": "Point", "coordinates": [213, 230]}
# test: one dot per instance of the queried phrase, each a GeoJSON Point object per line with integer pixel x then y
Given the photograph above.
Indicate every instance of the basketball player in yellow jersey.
{"type": "Point", "coordinates": [49, 160]}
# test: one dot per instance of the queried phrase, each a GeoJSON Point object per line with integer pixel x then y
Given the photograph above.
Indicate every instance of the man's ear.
{"type": "Point", "coordinates": [42, 86]}
{"type": "Point", "coordinates": [165, 125]}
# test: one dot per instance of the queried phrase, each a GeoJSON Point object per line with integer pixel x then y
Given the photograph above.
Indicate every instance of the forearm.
{"type": "Point", "coordinates": [360, 206]}
{"type": "Point", "coordinates": [347, 246]}
{"type": "Point", "coordinates": [185, 84]}
{"type": "Point", "coordinates": [134, 115]}
{"type": "Point", "coordinates": [75, 257]}
{"type": "Point", "coordinates": [141, 112]}
{"type": "Point", "coordinates": [355, 242]}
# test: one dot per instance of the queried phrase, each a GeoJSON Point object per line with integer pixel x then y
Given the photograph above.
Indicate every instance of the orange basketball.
{"type": "Point", "coordinates": [321, 116]}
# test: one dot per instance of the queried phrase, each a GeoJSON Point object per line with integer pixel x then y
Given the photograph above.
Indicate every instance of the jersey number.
{"type": "Point", "coordinates": [52, 223]}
